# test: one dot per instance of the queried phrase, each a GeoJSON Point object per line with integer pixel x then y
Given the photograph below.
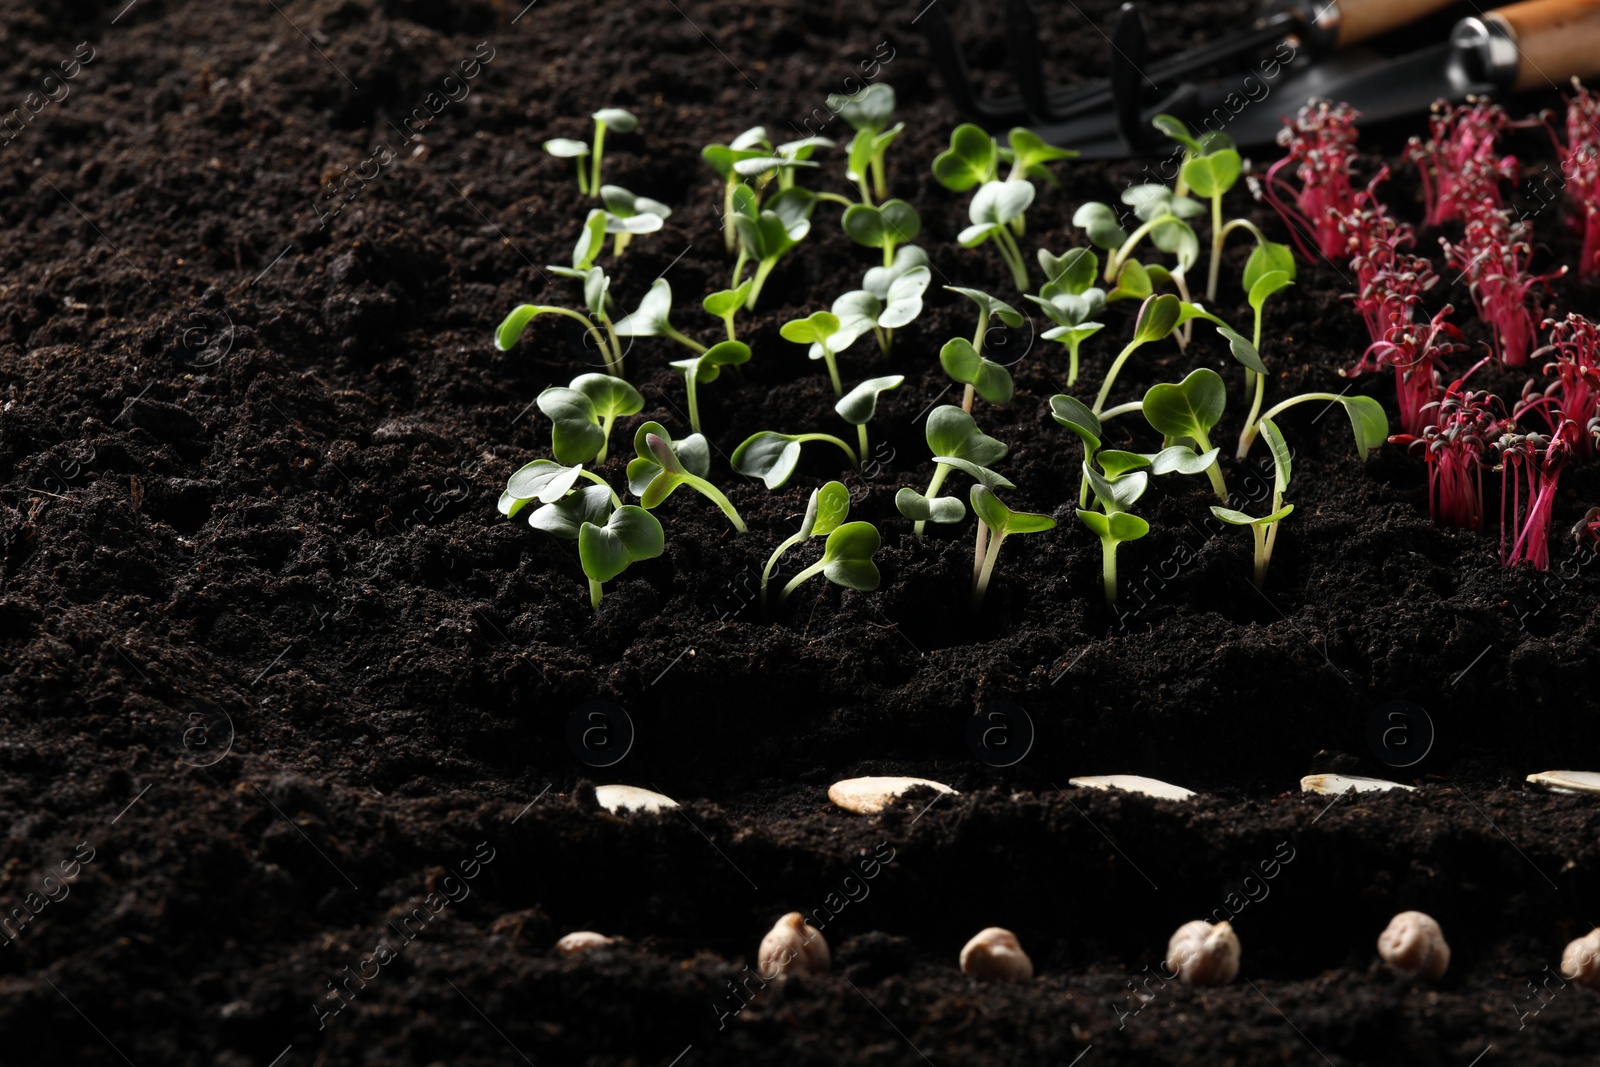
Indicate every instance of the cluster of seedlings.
{"type": "Point", "coordinates": [768, 211]}
{"type": "Point", "coordinates": [1462, 433]}
{"type": "Point", "coordinates": [1201, 953]}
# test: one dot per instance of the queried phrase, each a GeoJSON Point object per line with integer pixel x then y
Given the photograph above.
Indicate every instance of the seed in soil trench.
{"type": "Point", "coordinates": [1335, 784]}
{"type": "Point", "coordinates": [1413, 944]}
{"type": "Point", "coordinates": [868, 796]}
{"type": "Point", "coordinates": [1567, 781]}
{"type": "Point", "coordinates": [582, 941]}
{"type": "Point", "coordinates": [1134, 783]}
{"type": "Point", "coordinates": [621, 798]}
{"type": "Point", "coordinates": [1204, 954]}
{"type": "Point", "coordinates": [995, 955]}
{"type": "Point", "coordinates": [1581, 961]}
{"type": "Point", "coordinates": [792, 947]}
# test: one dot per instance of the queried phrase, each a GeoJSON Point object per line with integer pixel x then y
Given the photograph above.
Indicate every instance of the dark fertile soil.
{"type": "Point", "coordinates": [275, 670]}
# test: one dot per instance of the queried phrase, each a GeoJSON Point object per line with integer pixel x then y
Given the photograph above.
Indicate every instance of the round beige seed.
{"type": "Point", "coordinates": [1581, 961]}
{"type": "Point", "coordinates": [1204, 954]}
{"type": "Point", "coordinates": [793, 947]}
{"type": "Point", "coordinates": [1413, 944]}
{"type": "Point", "coordinates": [995, 955]}
{"type": "Point", "coordinates": [581, 941]}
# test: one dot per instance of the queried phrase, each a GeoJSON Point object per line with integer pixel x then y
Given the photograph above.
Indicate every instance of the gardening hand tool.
{"type": "Point", "coordinates": [1534, 44]}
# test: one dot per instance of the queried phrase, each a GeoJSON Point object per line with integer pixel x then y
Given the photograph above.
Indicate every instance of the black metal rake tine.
{"type": "Point", "coordinates": [952, 66]}
{"type": "Point", "coordinates": [1027, 60]}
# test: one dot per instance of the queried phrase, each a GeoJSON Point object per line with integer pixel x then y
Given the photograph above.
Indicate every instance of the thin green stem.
{"type": "Point", "coordinates": [1111, 375]}
{"type": "Point", "coordinates": [594, 594]}
{"type": "Point", "coordinates": [1122, 409]}
{"type": "Point", "coordinates": [866, 195]}
{"type": "Point", "coordinates": [833, 368]}
{"type": "Point", "coordinates": [1186, 331]}
{"type": "Point", "coordinates": [1116, 259]}
{"type": "Point", "coordinates": [738, 270]}
{"type": "Point", "coordinates": [727, 320]}
{"type": "Point", "coordinates": [940, 472]}
{"type": "Point", "coordinates": [689, 380]}
{"type": "Point", "coordinates": [1108, 567]}
{"type": "Point", "coordinates": [730, 233]}
{"type": "Point", "coordinates": [1214, 472]}
{"type": "Point", "coordinates": [981, 332]}
{"type": "Point", "coordinates": [1247, 435]}
{"type": "Point", "coordinates": [832, 440]}
{"type": "Point", "coordinates": [888, 253]}
{"type": "Point", "coordinates": [835, 198]}
{"type": "Point", "coordinates": [1072, 359]}
{"type": "Point", "coordinates": [605, 439]}
{"type": "Point", "coordinates": [599, 147]}
{"type": "Point", "coordinates": [1013, 257]}
{"type": "Point", "coordinates": [1217, 233]}
{"type": "Point", "coordinates": [991, 554]}
{"type": "Point", "coordinates": [1263, 553]}
{"type": "Point", "coordinates": [861, 431]}
{"type": "Point", "coordinates": [620, 244]}
{"type": "Point", "coordinates": [794, 583]}
{"type": "Point", "coordinates": [966, 397]}
{"type": "Point", "coordinates": [690, 343]}
{"type": "Point", "coordinates": [885, 338]}
{"type": "Point", "coordinates": [583, 177]}
{"type": "Point", "coordinates": [766, 575]}
{"type": "Point", "coordinates": [979, 547]}
{"type": "Point", "coordinates": [763, 269]}
{"type": "Point", "coordinates": [1245, 224]}
{"type": "Point", "coordinates": [716, 497]}
{"type": "Point", "coordinates": [880, 180]}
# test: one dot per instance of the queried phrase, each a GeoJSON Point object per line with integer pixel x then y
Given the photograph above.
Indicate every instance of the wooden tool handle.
{"type": "Point", "coordinates": [1363, 19]}
{"type": "Point", "coordinates": [1557, 40]}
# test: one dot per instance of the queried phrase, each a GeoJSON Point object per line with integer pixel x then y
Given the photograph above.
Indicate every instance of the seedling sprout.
{"type": "Point", "coordinates": [817, 330]}
{"type": "Point", "coordinates": [868, 112]}
{"type": "Point", "coordinates": [1001, 522]}
{"type": "Point", "coordinates": [861, 403]}
{"type": "Point", "coordinates": [887, 226]}
{"type": "Point", "coordinates": [890, 298]}
{"type": "Point", "coordinates": [825, 513]}
{"type": "Point", "coordinates": [773, 456]}
{"type": "Point", "coordinates": [964, 360]}
{"type": "Point", "coordinates": [581, 415]}
{"type": "Point", "coordinates": [663, 465]}
{"type": "Point", "coordinates": [950, 432]}
{"type": "Point", "coordinates": [707, 367]}
{"type": "Point", "coordinates": [751, 144]}
{"type": "Point", "coordinates": [1114, 524]}
{"type": "Point", "coordinates": [1188, 410]}
{"type": "Point", "coordinates": [595, 296]}
{"type": "Point", "coordinates": [629, 535]}
{"type": "Point", "coordinates": [1071, 300]}
{"type": "Point", "coordinates": [767, 232]}
{"type": "Point", "coordinates": [651, 319]}
{"type": "Point", "coordinates": [991, 212]}
{"type": "Point", "coordinates": [606, 118]}
{"type": "Point", "coordinates": [1265, 529]}
{"type": "Point", "coordinates": [846, 560]}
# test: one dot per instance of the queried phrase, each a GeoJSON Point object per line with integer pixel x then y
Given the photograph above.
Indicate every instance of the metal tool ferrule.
{"type": "Point", "coordinates": [1486, 49]}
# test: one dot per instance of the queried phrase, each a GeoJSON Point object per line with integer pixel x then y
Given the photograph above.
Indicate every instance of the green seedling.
{"type": "Point", "coordinates": [991, 212]}
{"type": "Point", "coordinates": [861, 403]}
{"type": "Point", "coordinates": [663, 465]}
{"type": "Point", "coordinates": [597, 322]}
{"type": "Point", "coordinates": [1188, 410]}
{"type": "Point", "coordinates": [1161, 216]}
{"type": "Point", "coordinates": [581, 415]}
{"type": "Point", "coordinates": [818, 330]}
{"type": "Point", "coordinates": [1071, 300]}
{"type": "Point", "coordinates": [781, 163]}
{"type": "Point", "coordinates": [887, 226]}
{"type": "Point", "coordinates": [951, 433]}
{"type": "Point", "coordinates": [892, 298]}
{"type": "Point", "coordinates": [565, 517]}
{"type": "Point", "coordinates": [707, 367]}
{"type": "Point", "coordinates": [964, 360]}
{"type": "Point", "coordinates": [990, 480]}
{"type": "Point", "coordinates": [629, 535]}
{"type": "Point", "coordinates": [548, 483]}
{"type": "Point", "coordinates": [767, 233]}
{"type": "Point", "coordinates": [1116, 491]}
{"type": "Point", "coordinates": [825, 513]}
{"type": "Point", "coordinates": [1265, 529]}
{"type": "Point", "coordinates": [1158, 317]}
{"type": "Point", "coordinates": [606, 118]}
{"type": "Point", "coordinates": [726, 303]}
{"type": "Point", "coordinates": [1368, 423]}
{"type": "Point", "coordinates": [974, 158]}
{"type": "Point", "coordinates": [1001, 522]}
{"type": "Point", "coordinates": [868, 113]}
{"type": "Point", "coordinates": [630, 215]}
{"type": "Point", "coordinates": [846, 560]}
{"type": "Point", "coordinates": [751, 144]}
{"type": "Point", "coordinates": [1072, 413]}
{"type": "Point", "coordinates": [1138, 281]}
{"type": "Point", "coordinates": [651, 319]}
{"type": "Point", "coordinates": [1262, 287]}
{"type": "Point", "coordinates": [773, 456]}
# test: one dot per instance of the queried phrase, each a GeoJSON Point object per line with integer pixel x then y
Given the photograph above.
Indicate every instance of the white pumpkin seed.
{"type": "Point", "coordinates": [1567, 781]}
{"type": "Point", "coordinates": [867, 796]}
{"type": "Point", "coordinates": [1134, 783]}
{"type": "Point", "coordinates": [1335, 784]}
{"type": "Point", "coordinates": [620, 798]}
